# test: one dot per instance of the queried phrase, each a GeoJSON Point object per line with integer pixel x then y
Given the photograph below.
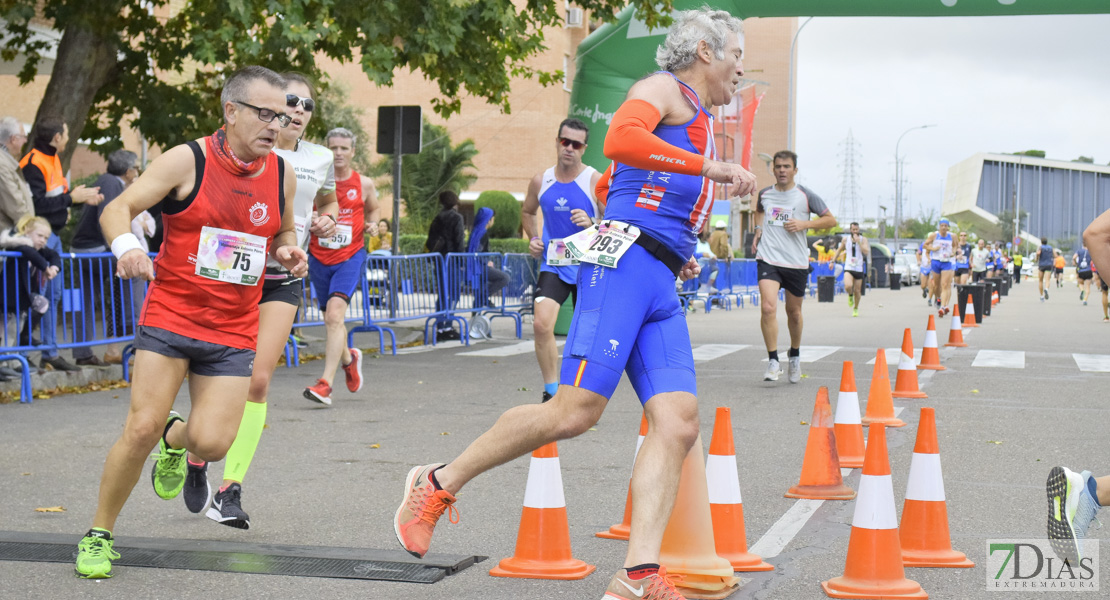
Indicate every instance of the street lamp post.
{"type": "Point", "coordinates": [898, 183]}
{"type": "Point", "coordinates": [790, 90]}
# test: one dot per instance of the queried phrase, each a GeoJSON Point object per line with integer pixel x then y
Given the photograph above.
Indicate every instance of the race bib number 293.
{"type": "Point", "coordinates": [602, 244]}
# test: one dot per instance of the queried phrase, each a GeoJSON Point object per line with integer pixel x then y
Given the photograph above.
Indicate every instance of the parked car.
{"type": "Point", "coordinates": [905, 265]}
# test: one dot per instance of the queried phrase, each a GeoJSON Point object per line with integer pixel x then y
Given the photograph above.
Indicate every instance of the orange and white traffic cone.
{"type": "Point", "coordinates": [847, 424]}
{"type": "Point", "coordinates": [924, 529]}
{"type": "Point", "coordinates": [955, 332]}
{"type": "Point", "coordinates": [905, 386]}
{"type": "Point", "coordinates": [873, 568]}
{"type": "Point", "coordinates": [821, 479]}
{"type": "Point", "coordinates": [969, 313]}
{"type": "Point", "coordinates": [688, 549]}
{"type": "Point", "coordinates": [543, 541]}
{"type": "Point", "coordinates": [994, 297]}
{"type": "Point", "coordinates": [880, 404]}
{"type": "Point", "coordinates": [620, 530]}
{"type": "Point", "coordinates": [725, 506]}
{"type": "Point", "coordinates": [930, 354]}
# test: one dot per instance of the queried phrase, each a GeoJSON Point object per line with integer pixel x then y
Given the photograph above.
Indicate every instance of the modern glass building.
{"type": "Point", "coordinates": [1060, 197]}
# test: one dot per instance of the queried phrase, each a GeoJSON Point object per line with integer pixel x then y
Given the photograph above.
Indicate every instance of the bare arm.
{"type": "Point", "coordinates": [284, 247]}
{"type": "Point", "coordinates": [1097, 238]}
{"type": "Point", "coordinates": [929, 242]}
{"type": "Point", "coordinates": [528, 216]}
{"type": "Point", "coordinates": [758, 217]}
{"type": "Point", "coordinates": [371, 211]}
{"type": "Point", "coordinates": [327, 214]}
{"type": "Point", "coordinates": [600, 204]}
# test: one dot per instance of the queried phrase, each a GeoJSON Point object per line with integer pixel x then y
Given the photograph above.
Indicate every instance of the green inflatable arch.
{"type": "Point", "coordinates": [612, 58]}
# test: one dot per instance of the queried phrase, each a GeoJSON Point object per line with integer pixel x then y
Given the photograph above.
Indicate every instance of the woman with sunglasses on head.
{"type": "Point", "coordinates": [281, 298]}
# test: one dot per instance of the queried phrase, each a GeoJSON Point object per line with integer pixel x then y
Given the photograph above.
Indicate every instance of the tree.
{"type": "Point", "coordinates": [121, 60]}
{"type": "Point", "coordinates": [1033, 153]}
{"type": "Point", "coordinates": [439, 166]}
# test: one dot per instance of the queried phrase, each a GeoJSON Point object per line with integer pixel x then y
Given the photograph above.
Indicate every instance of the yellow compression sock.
{"type": "Point", "coordinates": [241, 453]}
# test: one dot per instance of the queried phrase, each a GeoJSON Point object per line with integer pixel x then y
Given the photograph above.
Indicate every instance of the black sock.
{"type": "Point", "coordinates": [432, 478]}
{"type": "Point", "coordinates": [773, 355]}
{"type": "Point", "coordinates": [167, 430]}
{"type": "Point", "coordinates": [641, 571]}
{"type": "Point", "coordinates": [794, 352]}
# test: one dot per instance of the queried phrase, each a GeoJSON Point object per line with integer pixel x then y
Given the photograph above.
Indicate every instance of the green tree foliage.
{"type": "Point", "coordinates": [121, 60]}
{"type": "Point", "coordinates": [1034, 153]}
{"type": "Point", "coordinates": [439, 166]}
{"type": "Point", "coordinates": [506, 210]}
{"type": "Point", "coordinates": [1085, 159]}
{"type": "Point", "coordinates": [335, 111]}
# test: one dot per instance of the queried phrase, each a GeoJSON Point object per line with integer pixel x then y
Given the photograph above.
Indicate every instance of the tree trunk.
{"type": "Point", "coordinates": [85, 63]}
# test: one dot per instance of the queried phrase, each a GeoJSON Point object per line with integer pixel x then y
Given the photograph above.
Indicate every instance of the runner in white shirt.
{"type": "Point", "coordinates": [855, 249]}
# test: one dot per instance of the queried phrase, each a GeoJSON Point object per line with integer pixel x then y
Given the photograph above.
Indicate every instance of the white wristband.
{"type": "Point", "coordinates": [124, 244]}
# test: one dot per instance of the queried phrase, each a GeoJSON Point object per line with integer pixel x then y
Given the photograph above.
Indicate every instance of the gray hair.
{"type": "Point", "coordinates": [341, 132]}
{"type": "Point", "coordinates": [120, 161]}
{"type": "Point", "coordinates": [235, 87]}
{"type": "Point", "coordinates": [680, 49]}
{"type": "Point", "coordinates": [9, 127]}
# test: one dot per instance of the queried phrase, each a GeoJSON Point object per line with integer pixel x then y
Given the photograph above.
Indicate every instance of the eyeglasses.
{"type": "Point", "coordinates": [267, 116]}
{"type": "Point", "coordinates": [577, 145]}
{"type": "Point", "coordinates": [292, 100]}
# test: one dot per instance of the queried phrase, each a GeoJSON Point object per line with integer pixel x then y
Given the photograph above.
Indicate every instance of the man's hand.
{"type": "Point", "coordinates": [52, 272]}
{"type": "Point", "coordinates": [135, 264]}
{"type": "Point", "coordinates": [689, 270]}
{"type": "Point", "coordinates": [580, 218]}
{"type": "Point", "coordinates": [796, 225]}
{"type": "Point", "coordinates": [294, 259]}
{"type": "Point", "coordinates": [323, 227]}
{"type": "Point", "coordinates": [729, 173]}
{"type": "Point", "coordinates": [86, 195]}
{"type": "Point", "coordinates": [535, 247]}
{"type": "Point", "coordinates": [371, 228]}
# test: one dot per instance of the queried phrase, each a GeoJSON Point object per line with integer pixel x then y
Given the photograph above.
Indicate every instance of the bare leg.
{"type": "Point", "coordinates": [768, 316]}
{"type": "Point", "coordinates": [794, 319]}
{"type": "Point", "coordinates": [335, 351]}
{"type": "Point", "coordinates": [545, 313]}
{"type": "Point", "coordinates": [857, 291]}
{"type": "Point", "coordinates": [945, 284]}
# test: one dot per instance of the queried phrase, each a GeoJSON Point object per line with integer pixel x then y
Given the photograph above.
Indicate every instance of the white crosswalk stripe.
{"type": "Point", "coordinates": [811, 354]}
{"type": "Point", "coordinates": [711, 351]}
{"type": "Point", "coordinates": [1092, 363]}
{"type": "Point", "coordinates": [1006, 359]}
{"type": "Point", "coordinates": [510, 350]}
{"type": "Point", "coordinates": [893, 355]}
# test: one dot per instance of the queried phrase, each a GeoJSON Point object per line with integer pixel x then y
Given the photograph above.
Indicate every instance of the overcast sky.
{"type": "Point", "coordinates": [990, 84]}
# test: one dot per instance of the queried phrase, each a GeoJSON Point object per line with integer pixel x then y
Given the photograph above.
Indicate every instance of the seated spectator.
{"type": "Point", "coordinates": [495, 279]}
{"type": "Point", "coordinates": [707, 260]}
{"type": "Point", "coordinates": [383, 242]}
{"type": "Point", "coordinates": [24, 276]}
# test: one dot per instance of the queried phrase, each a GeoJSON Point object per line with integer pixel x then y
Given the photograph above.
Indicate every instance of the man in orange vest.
{"type": "Point", "coordinates": [42, 168]}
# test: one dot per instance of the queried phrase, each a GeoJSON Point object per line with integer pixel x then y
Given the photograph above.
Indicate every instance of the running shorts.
{"type": "Point", "coordinates": [205, 358]}
{"type": "Point", "coordinates": [550, 286]}
{"type": "Point", "coordinates": [335, 281]}
{"type": "Point", "coordinates": [941, 265]}
{"type": "Point", "coordinates": [792, 280]}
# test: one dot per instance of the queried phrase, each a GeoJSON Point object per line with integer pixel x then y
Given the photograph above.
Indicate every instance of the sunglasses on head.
{"type": "Point", "coordinates": [292, 100]}
{"type": "Point", "coordinates": [577, 145]}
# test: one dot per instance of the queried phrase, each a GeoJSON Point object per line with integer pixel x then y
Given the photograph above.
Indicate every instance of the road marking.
{"type": "Point", "coordinates": [894, 355]}
{"type": "Point", "coordinates": [711, 351]}
{"type": "Point", "coordinates": [810, 354]}
{"type": "Point", "coordinates": [1092, 363]}
{"type": "Point", "coordinates": [524, 347]}
{"type": "Point", "coordinates": [788, 526]}
{"type": "Point", "coordinates": [1006, 359]}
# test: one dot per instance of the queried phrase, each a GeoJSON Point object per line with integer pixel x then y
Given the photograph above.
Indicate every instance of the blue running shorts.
{"type": "Point", "coordinates": [339, 280]}
{"type": "Point", "coordinates": [942, 265]}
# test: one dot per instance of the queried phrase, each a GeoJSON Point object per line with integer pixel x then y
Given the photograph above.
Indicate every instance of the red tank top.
{"type": "Point", "coordinates": [348, 240]}
{"type": "Point", "coordinates": [221, 233]}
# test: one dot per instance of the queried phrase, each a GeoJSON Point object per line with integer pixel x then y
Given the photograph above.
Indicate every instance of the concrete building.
{"type": "Point", "coordinates": [1060, 197]}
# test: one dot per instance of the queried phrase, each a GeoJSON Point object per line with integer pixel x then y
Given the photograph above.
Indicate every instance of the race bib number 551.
{"type": "Point", "coordinates": [602, 244]}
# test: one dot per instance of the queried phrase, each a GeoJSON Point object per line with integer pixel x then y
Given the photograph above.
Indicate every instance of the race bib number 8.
{"type": "Point", "coordinates": [341, 239]}
{"type": "Point", "coordinates": [558, 255]}
{"type": "Point", "coordinates": [603, 245]}
{"type": "Point", "coordinates": [231, 256]}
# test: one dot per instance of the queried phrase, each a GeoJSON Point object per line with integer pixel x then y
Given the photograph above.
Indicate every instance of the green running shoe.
{"type": "Point", "coordinates": [851, 300]}
{"type": "Point", "coordinates": [95, 555]}
{"type": "Point", "coordinates": [169, 470]}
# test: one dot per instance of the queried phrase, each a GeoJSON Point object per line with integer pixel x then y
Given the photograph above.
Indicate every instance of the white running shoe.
{"type": "Point", "coordinates": [795, 368]}
{"type": "Point", "coordinates": [773, 371]}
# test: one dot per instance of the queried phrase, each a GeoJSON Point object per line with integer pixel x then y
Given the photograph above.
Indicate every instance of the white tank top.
{"type": "Point", "coordinates": [315, 169]}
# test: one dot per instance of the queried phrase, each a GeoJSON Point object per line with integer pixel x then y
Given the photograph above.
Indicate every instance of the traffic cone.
{"type": "Point", "coordinates": [688, 548]}
{"type": "Point", "coordinates": [725, 506]}
{"type": "Point", "coordinates": [847, 424]}
{"type": "Point", "coordinates": [620, 530]}
{"type": "Point", "coordinates": [905, 386]}
{"type": "Point", "coordinates": [969, 313]}
{"type": "Point", "coordinates": [873, 568]}
{"type": "Point", "coordinates": [955, 332]}
{"type": "Point", "coordinates": [924, 529]}
{"type": "Point", "coordinates": [880, 404]}
{"type": "Point", "coordinates": [821, 479]}
{"type": "Point", "coordinates": [543, 541]}
{"type": "Point", "coordinates": [930, 354]}
{"type": "Point", "coordinates": [994, 297]}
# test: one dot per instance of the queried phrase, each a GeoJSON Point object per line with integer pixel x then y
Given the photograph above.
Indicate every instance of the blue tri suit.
{"type": "Point", "coordinates": [628, 319]}
{"type": "Point", "coordinates": [557, 200]}
{"type": "Point", "coordinates": [944, 243]}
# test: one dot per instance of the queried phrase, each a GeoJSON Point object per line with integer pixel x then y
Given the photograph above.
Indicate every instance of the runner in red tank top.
{"type": "Point", "coordinates": [336, 265]}
{"type": "Point", "coordinates": [227, 205]}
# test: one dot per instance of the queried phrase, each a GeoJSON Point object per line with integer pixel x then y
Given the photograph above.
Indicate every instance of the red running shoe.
{"type": "Point", "coordinates": [353, 370]}
{"type": "Point", "coordinates": [321, 392]}
{"type": "Point", "coordinates": [420, 509]}
{"type": "Point", "coordinates": [657, 586]}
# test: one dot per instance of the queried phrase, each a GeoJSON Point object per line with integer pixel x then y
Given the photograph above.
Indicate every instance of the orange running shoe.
{"type": "Point", "coordinates": [421, 506]}
{"type": "Point", "coordinates": [353, 370]}
{"type": "Point", "coordinates": [321, 392]}
{"type": "Point", "coordinates": [657, 586]}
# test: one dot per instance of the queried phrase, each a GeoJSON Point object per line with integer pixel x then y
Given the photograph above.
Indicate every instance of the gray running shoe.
{"type": "Point", "coordinates": [1071, 509]}
{"type": "Point", "coordinates": [197, 491]}
{"type": "Point", "coordinates": [227, 508]}
{"type": "Point", "coordinates": [773, 371]}
{"type": "Point", "coordinates": [795, 369]}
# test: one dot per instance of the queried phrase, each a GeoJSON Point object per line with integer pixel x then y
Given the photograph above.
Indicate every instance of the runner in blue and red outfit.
{"type": "Point", "coordinates": [628, 318]}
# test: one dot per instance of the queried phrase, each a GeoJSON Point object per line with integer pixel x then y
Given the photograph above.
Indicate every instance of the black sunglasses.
{"type": "Point", "coordinates": [267, 116]}
{"type": "Point", "coordinates": [577, 145]}
{"type": "Point", "coordinates": [292, 100]}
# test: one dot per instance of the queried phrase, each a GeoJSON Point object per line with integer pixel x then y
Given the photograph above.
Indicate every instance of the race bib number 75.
{"type": "Point", "coordinates": [231, 256]}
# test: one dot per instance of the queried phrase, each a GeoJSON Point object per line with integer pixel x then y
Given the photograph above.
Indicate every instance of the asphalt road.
{"type": "Point", "coordinates": [332, 476]}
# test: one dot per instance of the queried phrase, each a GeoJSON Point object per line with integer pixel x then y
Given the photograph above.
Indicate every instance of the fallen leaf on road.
{"type": "Point", "coordinates": [375, 445]}
{"type": "Point", "coordinates": [974, 391]}
{"type": "Point", "coordinates": [25, 473]}
{"type": "Point", "coordinates": [593, 429]}
{"type": "Point", "coordinates": [51, 509]}
{"type": "Point", "coordinates": [446, 433]}
{"type": "Point", "coordinates": [802, 423]}
{"type": "Point", "coordinates": [993, 442]}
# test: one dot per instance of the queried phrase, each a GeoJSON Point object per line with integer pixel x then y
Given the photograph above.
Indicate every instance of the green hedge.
{"type": "Point", "coordinates": [506, 210]}
{"type": "Point", "coordinates": [412, 243]}
{"type": "Point", "coordinates": [509, 246]}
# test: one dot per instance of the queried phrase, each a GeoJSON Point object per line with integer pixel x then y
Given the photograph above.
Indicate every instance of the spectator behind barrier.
{"type": "Point", "coordinates": [381, 244]}
{"type": "Point", "coordinates": [495, 279]}
{"type": "Point", "coordinates": [23, 290]}
{"type": "Point", "coordinates": [445, 235]}
{"type": "Point", "coordinates": [15, 194]}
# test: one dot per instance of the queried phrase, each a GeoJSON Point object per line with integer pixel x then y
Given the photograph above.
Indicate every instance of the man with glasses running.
{"type": "Point", "coordinates": [565, 194]}
{"type": "Point", "coordinates": [225, 210]}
